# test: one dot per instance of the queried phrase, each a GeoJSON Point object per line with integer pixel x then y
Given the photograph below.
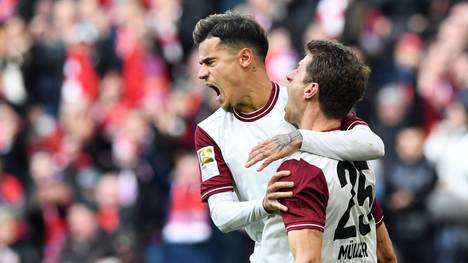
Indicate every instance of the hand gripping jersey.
{"type": "Point", "coordinates": [223, 142]}
{"type": "Point", "coordinates": [338, 198]}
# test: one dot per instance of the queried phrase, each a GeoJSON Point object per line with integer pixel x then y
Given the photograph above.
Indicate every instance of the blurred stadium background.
{"type": "Point", "coordinates": [99, 100]}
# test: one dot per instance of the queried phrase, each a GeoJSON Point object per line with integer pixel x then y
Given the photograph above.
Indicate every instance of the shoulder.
{"type": "Point", "coordinates": [309, 161]}
{"type": "Point", "coordinates": [290, 162]}
{"type": "Point", "coordinates": [307, 207]}
{"type": "Point", "coordinates": [303, 171]}
{"type": "Point", "coordinates": [351, 120]}
{"type": "Point", "coordinates": [214, 119]}
{"type": "Point", "coordinates": [210, 128]}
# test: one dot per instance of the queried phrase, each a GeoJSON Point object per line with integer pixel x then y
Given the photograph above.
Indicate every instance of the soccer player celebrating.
{"type": "Point", "coordinates": [232, 50]}
{"type": "Point", "coordinates": [332, 216]}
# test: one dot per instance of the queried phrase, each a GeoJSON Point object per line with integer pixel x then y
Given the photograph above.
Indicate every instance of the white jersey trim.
{"type": "Point", "coordinates": [301, 225]}
{"type": "Point", "coordinates": [216, 189]}
{"type": "Point", "coordinates": [381, 219]}
{"type": "Point", "coordinates": [354, 123]}
{"type": "Point", "coordinates": [258, 113]}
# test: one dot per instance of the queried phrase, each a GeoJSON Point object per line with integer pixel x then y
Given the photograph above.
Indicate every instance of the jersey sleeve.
{"type": "Point", "coordinates": [354, 142]}
{"type": "Point", "coordinates": [377, 212]}
{"type": "Point", "coordinates": [307, 208]}
{"type": "Point", "coordinates": [350, 121]}
{"type": "Point", "coordinates": [215, 175]}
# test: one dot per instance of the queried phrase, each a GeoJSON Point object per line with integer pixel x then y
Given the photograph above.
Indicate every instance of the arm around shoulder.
{"type": "Point", "coordinates": [356, 144]}
{"type": "Point", "coordinates": [371, 141]}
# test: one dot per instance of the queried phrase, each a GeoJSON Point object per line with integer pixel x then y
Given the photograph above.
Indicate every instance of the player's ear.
{"type": "Point", "coordinates": [310, 90]}
{"type": "Point", "coordinates": [246, 56]}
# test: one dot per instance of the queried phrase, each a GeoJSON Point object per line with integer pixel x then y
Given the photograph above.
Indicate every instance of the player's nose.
{"type": "Point", "coordinates": [289, 76]}
{"type": "Point", "coordinates": [202, 73]}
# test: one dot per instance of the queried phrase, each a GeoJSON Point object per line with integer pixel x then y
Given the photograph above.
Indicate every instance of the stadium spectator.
{"type": "Point", "coordinates": [187, 228]}
{"type": "Point", "coordinates": [47, 205]}
{"type": "Point", "coordinates": [87, 242]}
{"type": "Point", "coordinates": [448, 207]}
{"type": "Point", "coordinates": [14, 244]}
{"type": "Point", "coordinates": [409, 181]}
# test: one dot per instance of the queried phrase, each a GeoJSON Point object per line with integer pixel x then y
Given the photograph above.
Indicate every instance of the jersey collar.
{"type": "Point", "coordinates": [253, 116]}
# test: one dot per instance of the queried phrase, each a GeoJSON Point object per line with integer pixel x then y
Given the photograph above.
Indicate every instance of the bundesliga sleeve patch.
{"type": "Point", "coordinates": [208, 164]}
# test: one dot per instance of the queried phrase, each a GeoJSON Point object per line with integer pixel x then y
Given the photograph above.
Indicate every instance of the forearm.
{"type": "Point", "coordinates": [306, 259]}
{"type": "Point", "coordinates": [228, 214]}
{"type": "Point", "coordinates": [357, 144]}
{"type": "Point", "coordinates": [306, 245]}
{"type": "Point", "coordinates": [385, 252]}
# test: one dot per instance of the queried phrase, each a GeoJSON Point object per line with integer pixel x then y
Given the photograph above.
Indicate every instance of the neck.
{"type": "Point", "coordinates": [258, 89]}
{"type": "Point", "coordinates": [315, 120]}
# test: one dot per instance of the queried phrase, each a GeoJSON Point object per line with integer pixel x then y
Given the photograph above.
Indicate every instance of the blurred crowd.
{"type": "Point", "coordinates": [99, 101]}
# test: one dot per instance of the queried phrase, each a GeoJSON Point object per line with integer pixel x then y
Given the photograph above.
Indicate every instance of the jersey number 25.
{"type": "Point", "coordinates": [363, 192]}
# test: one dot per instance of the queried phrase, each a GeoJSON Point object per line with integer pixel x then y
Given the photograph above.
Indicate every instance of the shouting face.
{"type": "Point", "coordinates": [220, 70]}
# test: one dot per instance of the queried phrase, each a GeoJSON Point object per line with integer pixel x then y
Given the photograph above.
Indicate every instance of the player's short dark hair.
{"type": "Point", "coordinates": [341, 75]}
{"type": "Point", "coordinates": [234, 30]}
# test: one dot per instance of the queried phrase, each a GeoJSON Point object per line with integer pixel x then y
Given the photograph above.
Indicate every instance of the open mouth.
{"type": "Point", "coordinates": [213, 87]}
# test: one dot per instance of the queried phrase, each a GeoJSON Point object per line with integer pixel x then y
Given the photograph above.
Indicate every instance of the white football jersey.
{"type": "Point", "coordinates": [338, 198]}
{"type": "Point", "coordinates": [223, 142]}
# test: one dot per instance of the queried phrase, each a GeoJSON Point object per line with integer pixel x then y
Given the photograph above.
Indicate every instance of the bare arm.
{"type": "Point", "coordinates": [385, 252]}
{"type": "Point", "coordinates": [306, 245]}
